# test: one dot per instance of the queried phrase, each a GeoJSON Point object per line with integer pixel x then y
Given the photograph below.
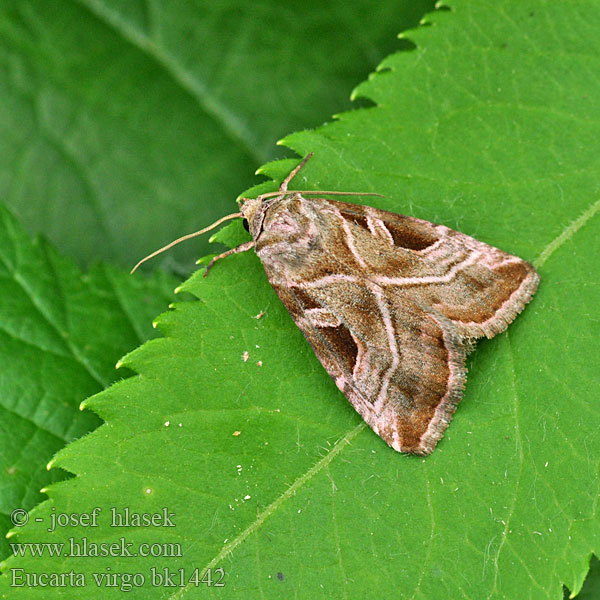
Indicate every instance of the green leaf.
{"type": "Point", "coordinates": [62, 332]}
{"type": "Point", "coordinates": [143, 122]}
{"type": "Point", "coordinates": [489, 126]}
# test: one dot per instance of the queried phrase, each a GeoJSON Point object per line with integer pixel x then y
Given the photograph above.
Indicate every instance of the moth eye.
{"type": "Point", "coordinates": [246, 225]}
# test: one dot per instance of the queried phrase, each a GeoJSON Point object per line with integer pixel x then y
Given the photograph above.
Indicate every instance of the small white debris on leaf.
{"type": "Point", "coordinates": [236, 433]}
{"type": "Point", "coordinates": [245, 356]}
{"type": "Point", "coordinates": [260, 315]}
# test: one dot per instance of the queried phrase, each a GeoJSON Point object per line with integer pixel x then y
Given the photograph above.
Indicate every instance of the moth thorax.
{"type": "Point", "coordinates": [288, 223]}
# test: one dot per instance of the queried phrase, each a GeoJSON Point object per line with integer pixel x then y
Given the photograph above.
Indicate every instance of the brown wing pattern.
{"type": "Point", "coordinates": [390, 305]}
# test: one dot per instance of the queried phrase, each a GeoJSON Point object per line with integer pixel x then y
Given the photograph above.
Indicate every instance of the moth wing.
{"type": "Point", "coordinates": [390, 305]}
{"type": "Point", "coordinates": [403, 371]}
{"type": "Point", "coordinates": [477, 287]}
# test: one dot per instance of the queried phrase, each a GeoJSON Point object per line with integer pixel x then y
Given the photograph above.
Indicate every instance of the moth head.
{"type": "Point", "coordinates": [249, 208]}
{"type": "Point", "coordinates": [253, 212]}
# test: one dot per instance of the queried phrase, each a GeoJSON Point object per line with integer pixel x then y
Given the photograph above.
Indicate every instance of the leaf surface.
{"type": "Point", "coordinates": [490, 127]}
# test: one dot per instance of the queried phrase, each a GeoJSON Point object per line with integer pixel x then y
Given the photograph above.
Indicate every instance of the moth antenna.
{"type": "Point", "coordinates": [283, 188]}
{"type": "Point", "coordinates": [313, 192]}
{"type": "Point", "coordinates": [284, 184]}
{"type": "Point", "coordinates": [187, 237]}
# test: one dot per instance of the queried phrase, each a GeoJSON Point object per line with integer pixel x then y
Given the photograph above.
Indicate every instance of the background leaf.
{"type": "Point", "coordinates": [591, 587]}
{"type": "Point", "coordinates": [488, 127]}
{"type": "Point", "coordinates": [62, 332]}
{"type": "Point", "coordinates": [142, 121]}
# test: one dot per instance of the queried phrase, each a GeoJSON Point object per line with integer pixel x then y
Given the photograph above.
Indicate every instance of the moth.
{"type": "Point", "coordinates": [390, 304]}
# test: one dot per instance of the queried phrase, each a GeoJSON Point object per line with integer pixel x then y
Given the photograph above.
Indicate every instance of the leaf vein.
{"type": "Point", "coordinates": [567, 233]}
